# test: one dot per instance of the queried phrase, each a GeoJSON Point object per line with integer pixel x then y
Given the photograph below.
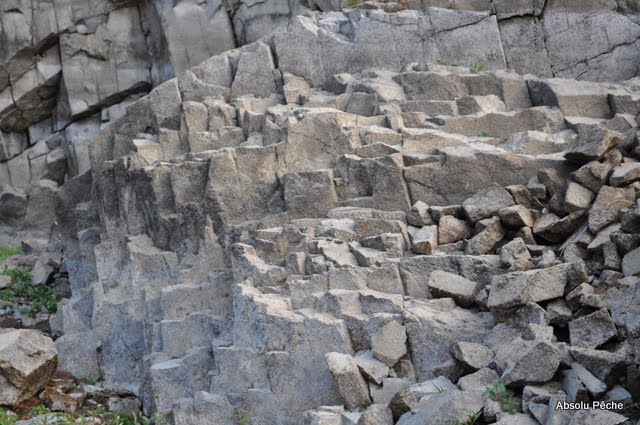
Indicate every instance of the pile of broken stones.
{"type": "Point", "coordinates": [571, 250]}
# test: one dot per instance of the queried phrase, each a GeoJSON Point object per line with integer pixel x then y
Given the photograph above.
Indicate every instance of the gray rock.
{"type": "Point", "coordinates": [519, 288]}
{"type": "Point", "coordinates": [592, 330]}
{"type": "Point", "coordinates": [451, 229]}
{"type": "Point", "coordinates": [419, 215]}
{"type": "Point", "coordinates": [607, 205]}
{"type": "Point", "coordinates": [473, 356]}
{"type": "Point", "coordinates": [372, 369]}
{"type": "Point", "coordinates": [631, 263]}
{"type": "Point", "coordinates": [444, 284]}
{"type": "Point", "coordinates": [604, 365]}
{"type": "Point", "coordinates": [527, 362]}
{"type": "Point", "coordinates": [596, 387]}
{"type": "Point", "coordinates": [29, 360]}
{"type": "Point", "coordinates": [597, 417]}
{"type": "Point", "coordinates": [573, 386]}
{"type": "Point", "coordinates": [425, 240]}
{"type": "Point", "coordinates": [517, 216]}
{"type": "Point", "coordinates": [352, 387]}
{"type": "Point", "coordinates": [515, 255]}
{"type": "Point", "coordinates": [389, 344]}
{"type": "Point", "coordinates": [487, 203]}
{"type": "Point", "coordinates": [488, 238]}
{"type": "Point", "coordinates": [404, 401]}
{"type": "Point", "coordinates": [432, 326]}
{"type": "Point", "coordinates": [577, 197]}
{"type": "Point", "coordinates": [376, 414]}
{"type": "Point", "coordinates": [478, 380]}
{"type": "Point", "coordinates": [593, 143]}
{"type": "Point", "coordinates": [625, 174]}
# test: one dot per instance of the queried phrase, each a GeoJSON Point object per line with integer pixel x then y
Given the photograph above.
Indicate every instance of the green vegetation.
{"type": "Point", "coordinates": [106, 418]}
{"type": "Point", "coordinates": [241, 417]}
{"type": "Point", "coordinates": [364, 407]}
{"type": "Point", "coordinates": [354, 3]}
{"type": "Point", "coordinates": [40, 409]}
{"type": "Point", "coordinates": [39, 297]}
{"type": "Point", "coordinates": [498, 392]}
{"type": "Point", "coordinates": [476, 69]}
{"type": "Point", "coordinates": [9, 251]}
{"type": "Point", "coordinates": [439, 389]}
{"type": "Point", "coordinates": [472, 418]}
{"type": "Point", "coordinates": [445, 63]}
{"type": "Point", "coordinates": [7, 417]}
{"type": "Point", "coordinates": [89, 380]}
{"type": "Point", "coordinates": [484, 134]}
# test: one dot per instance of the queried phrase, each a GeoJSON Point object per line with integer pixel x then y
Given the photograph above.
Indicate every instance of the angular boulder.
{"type": "Point", "coordinates": [28, 360]}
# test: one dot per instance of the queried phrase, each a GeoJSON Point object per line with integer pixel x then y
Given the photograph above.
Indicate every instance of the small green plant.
{"type": "Point", "coordinates": [40, 409]}
{"type": "Point", "coordinates": [89, 380]}
{"type": "Point", "coordinates": [477, 69]}
{"type": "Point", "coordinates": [498, 392]}
{"type": "Point", "coordinates": [354, 3]}
{"type": "Point", "coordinates": [7, 417]}
{"type": "Point", "coordinates": [484, 134]}
{"type": "Point", "coordinates": [241, 417]}
{"type": "Point", "coordinates": [39, 297]}
{"type": "Point", "coordinates": [439, 389]}
{"type": "Point", "coordinates": [364, 406]}
{"type": "Point", "coordinates": [472, 418]}
{"type": "Point", "coordinates": [445, 63]}
{"type": "Point", "coordinates": [9, 251]}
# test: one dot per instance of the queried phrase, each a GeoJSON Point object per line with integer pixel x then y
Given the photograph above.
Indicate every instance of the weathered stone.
{"type": "Point", "coordinates": [432, 326]}
{"type": "Point", "coordinates": [389, 344]}
{"type": "Point", "coordinates": [606, 207]}
{"type": "Point", "coordinates": [487, 239]}
{"type": "Point", "coordinates": [425, 240]}
{"type": "Point", "coordinates": [593, 143]}
{"type": "Point", "coordinates": [573, 386]}
{"type": "Point", "coordinates": [376, 414]}
{"type": "Point", "coordinates": [28, 360]}
{"type": "Point", "coordinates": [471, 355]}
{"type": "Point", "coordinates": [516, 216]}
{"type": "Point", "coordinates": [604, 365]}
{"type": "Point", "coordinates": [527, 362]}
{"type": "Point", "coordinates": [596, 387]}
{"type": "Point", "coordinates": [403, 402]}
{"type": "Point", "coordinates": [372, 369]}
{"type": "Point", "coordinates": [592, 330]}
{"type": "Point", "coordinates": [519, 288]}
{"type": "Point", "coordinates": [480, 379]}
{"type": "Point", "coordinates": [443, 284]}
{"type": "Point", "coordinates": [577, 197]}
{"type": "Point", "coordinates": [487, 203]}
{"type": "Point", "coordinates": [451, 229]}
{"type": "Point", "coordinates": [515, 255]}
{"type": "Point", "coordinates": [352, 387]}
{"type": "Point", "coordinates": [419, 215]}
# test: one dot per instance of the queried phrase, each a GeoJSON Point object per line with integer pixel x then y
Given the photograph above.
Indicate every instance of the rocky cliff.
{"type": "Point", "coordinates": [393, 214]}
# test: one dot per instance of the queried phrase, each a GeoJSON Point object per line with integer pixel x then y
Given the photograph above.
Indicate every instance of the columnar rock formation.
{"type": "Point", "coordinates": [367, 207]}
{"type": "Point", "coordinates": [70, 68]}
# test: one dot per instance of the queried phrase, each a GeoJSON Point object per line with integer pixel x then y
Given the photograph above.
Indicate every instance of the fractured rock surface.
{"type": "Point", "coordinates": [347, 211]}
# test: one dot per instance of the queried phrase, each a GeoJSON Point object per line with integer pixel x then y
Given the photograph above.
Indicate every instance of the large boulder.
{"type": "Point", "coordinates": [28, 360]}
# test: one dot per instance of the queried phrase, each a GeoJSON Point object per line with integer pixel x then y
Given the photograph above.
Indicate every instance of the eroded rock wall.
{"type": "Point", "coordinates": [69, 68]}
{"type": "Point", "coordinates": [295, 197]}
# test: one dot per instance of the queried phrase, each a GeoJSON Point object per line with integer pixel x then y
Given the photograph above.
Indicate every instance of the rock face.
{"type": "Point", "coordinates": [69, 69]}
{"type": "Point", "coordinates": [350, 209]}
{"type": "Point", "coordinates": [28, 360]}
